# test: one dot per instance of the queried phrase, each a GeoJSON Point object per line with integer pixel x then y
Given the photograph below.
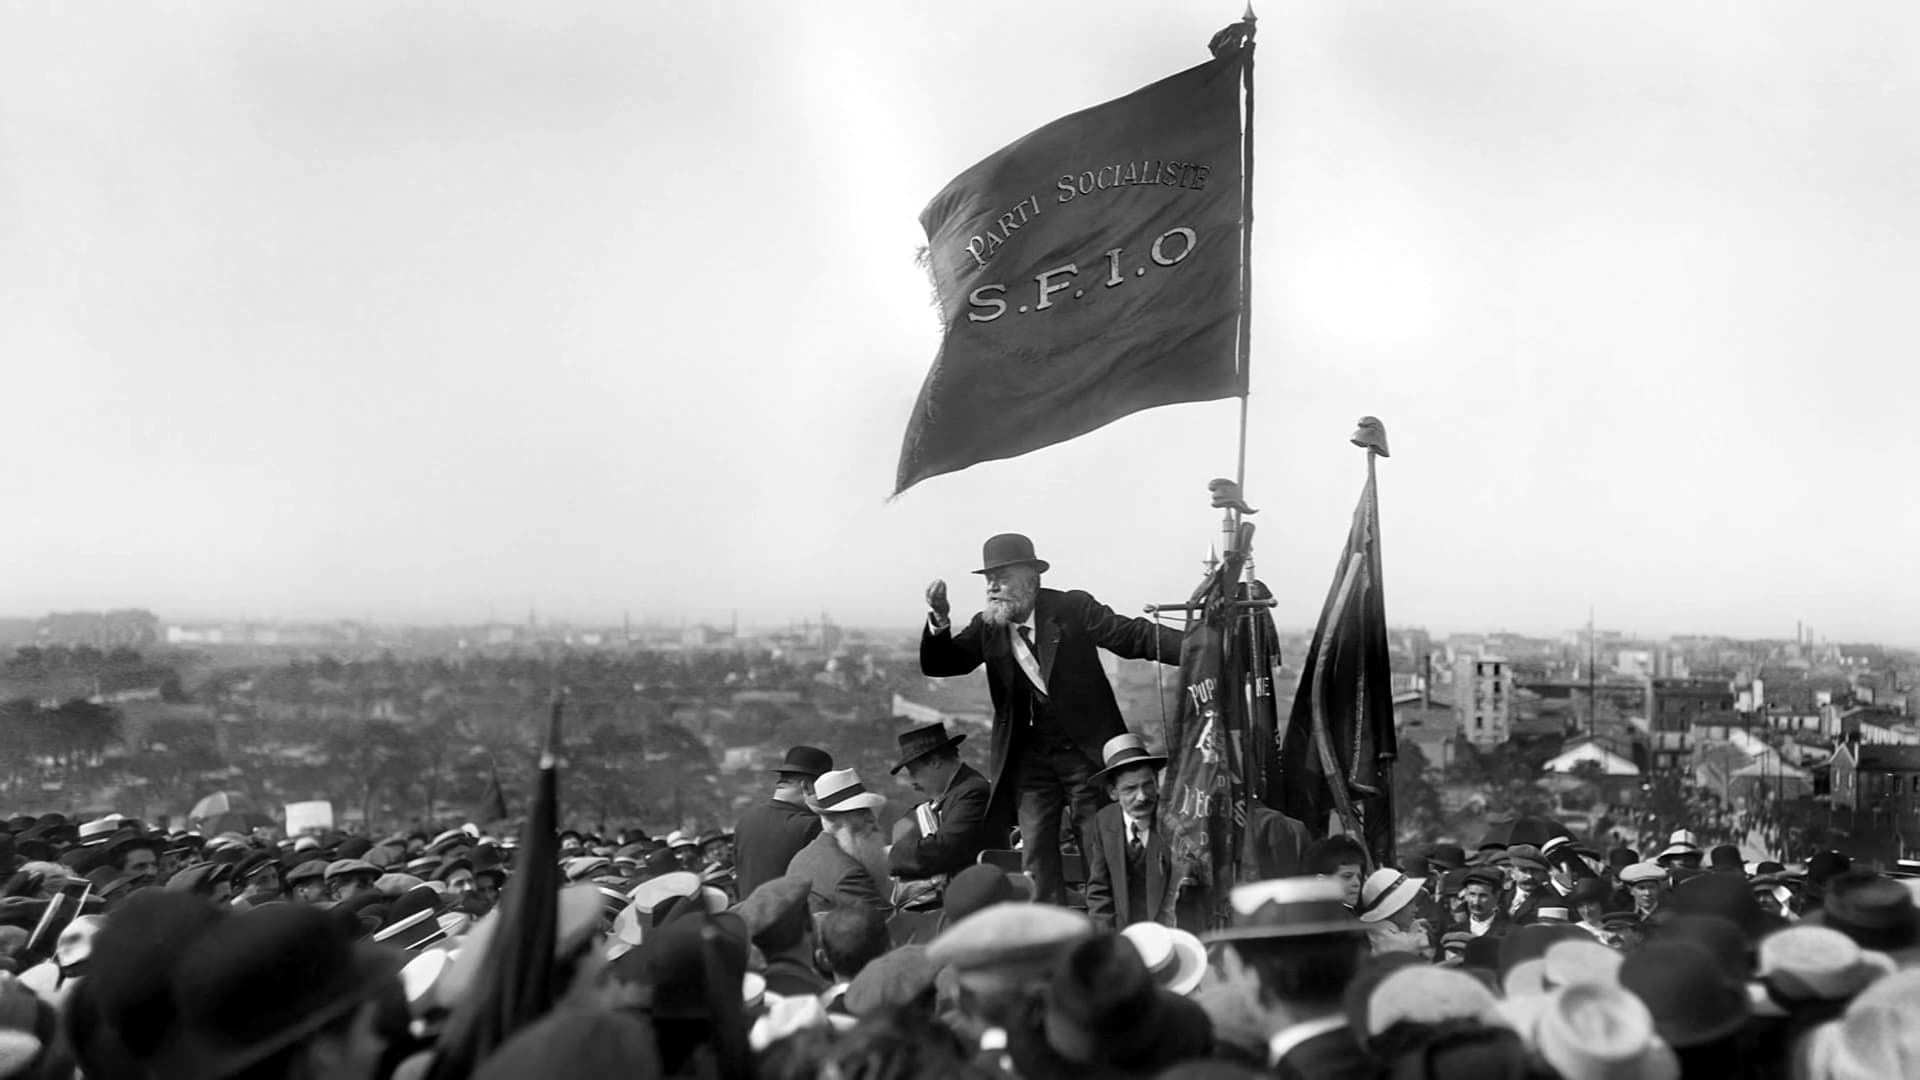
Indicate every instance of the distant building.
{"type": "Point", "coordinates": [1674, 708]}
{"type": "Point", "coordinates": [1483, 699]}
{"type": "Point", "coordinates": [128, 628]}
{"type": "Point", "coordinates": [1878, 779]}
{"type": "Point", "coordinates": [1586, 751]}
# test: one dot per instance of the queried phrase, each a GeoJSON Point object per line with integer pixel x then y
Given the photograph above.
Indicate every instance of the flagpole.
{"type": "Point", "coordinates": [1246, 247]}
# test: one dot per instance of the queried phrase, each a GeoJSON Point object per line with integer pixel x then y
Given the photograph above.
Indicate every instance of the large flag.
{"type": "Point", "coordinates": [1087, 271]}
{"type": "Point", "coordinates": [1337, 756]}
{"type": "Point", "coordinates": [515, 984]}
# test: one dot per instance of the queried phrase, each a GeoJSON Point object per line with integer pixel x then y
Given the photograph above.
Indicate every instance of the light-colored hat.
{"type": "Point", "coordinates": [99, 830]}
{"type": "Point", "coordinates": [421, 977]}
{"type": "Point", "coordinates": [1385, 892]}
{"type": "Point", "coordinates": [1819, 963]}
{"type": "Point", "coordinates": [679, 839]}
{"type": "Point", "coordinates": [1124, 752]}
{"type": "Point", "coordinates": [1174, 957]}
{"type": "Point", "coordinates": [1876, 1037]}
{"type": "Point", "coordinates": [1595, 1032]}
{"type": "Point", "coordinates": [840, 792]}
{"type": "Point", "coordinates": [1288, 907]}
{"type": "Point", "coordinates": [1643, 871]}
{"type": "Point", "coordinates": [1429, 995]}
{"type": "Point", "coordinates": [1009, 942]}
{"type": "Point", "coordinates": [1578, 963]}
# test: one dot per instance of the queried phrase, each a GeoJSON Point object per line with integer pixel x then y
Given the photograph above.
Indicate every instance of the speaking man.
{"type": "Point", "coordinates": [1053, 709]}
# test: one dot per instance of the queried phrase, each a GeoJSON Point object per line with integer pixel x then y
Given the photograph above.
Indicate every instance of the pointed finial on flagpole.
{"type": "Point", "coordinates": [1212, 561]}
{"type": "Point", "coordinates": [1250, 16]}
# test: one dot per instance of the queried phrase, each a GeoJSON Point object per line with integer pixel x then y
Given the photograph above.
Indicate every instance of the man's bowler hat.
{"type": "Point", "coordinates": [922, 741]}
{"type": "Point", "coordinates": [810, 761]}
{"type": "Point", "coordinates": [1009, 549]}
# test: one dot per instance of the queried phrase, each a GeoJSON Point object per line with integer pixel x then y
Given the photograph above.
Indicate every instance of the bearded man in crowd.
{"type": "Point", "coordinates": [1053, 709]}
{"type": "Point", "coordinates": [847, 862]}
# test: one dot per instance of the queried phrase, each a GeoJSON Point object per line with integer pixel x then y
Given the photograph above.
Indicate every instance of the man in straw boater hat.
{"type": "Point", "coordinates": [1292, 951]}
{"type": "Point", "coordinates": [847, 862]}
{"type": "Point", "coordinates": [947, 833]}
{"type": "Point", "coordinates": [1053, 708]}
{"type": "Point", "coordinates": [772, 833]}
{"type": "Point", "coordinates": [1130, 872]}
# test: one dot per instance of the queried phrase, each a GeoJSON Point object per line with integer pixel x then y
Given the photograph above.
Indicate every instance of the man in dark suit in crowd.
{"type": "Point", "coordinates": [1130, 875]}
{"type": "Point", "coordinates": [1292, 951]}
{"type": "Point", "coordinates": [947, 833]}
{"type": "Point", "coordinates": [771, 834]}
{"type": "Point", "coordinates": [1052, 706]}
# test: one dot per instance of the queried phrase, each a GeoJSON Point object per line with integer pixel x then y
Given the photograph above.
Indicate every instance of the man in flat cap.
{"type": "Point", "coordinates": [1648, 882]}
{"type": "Point", "coordinates": [1000, 959]}
{"type": "Point", "coordinates": [771, 834]}
{"type": "Point", "coordinates": [1053, 708]}
{"type": "Point", "coordinates": [947, 833]}
{"type": "Point", "coordinates": [308, 882]}
{"type": "Point", "coordinates": [780, 925]}
{"type": "Point", "coordinates": [1480, 897]}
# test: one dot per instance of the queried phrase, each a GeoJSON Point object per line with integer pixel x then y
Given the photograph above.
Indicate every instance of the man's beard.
{"type": "Point", "coordinates": [868, 848]}
{"type": "Point", "coordinates": [1012, 606]}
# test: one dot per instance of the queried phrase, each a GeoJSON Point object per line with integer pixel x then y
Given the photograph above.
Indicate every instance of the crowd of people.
{"type": "Point", "coordinates": [139, 952]}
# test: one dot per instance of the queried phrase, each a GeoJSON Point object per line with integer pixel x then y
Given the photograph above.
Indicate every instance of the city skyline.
{"type": "Point", "coordinates": [751, 624]}
{"type": "Point", "coordinates": [407, 312]}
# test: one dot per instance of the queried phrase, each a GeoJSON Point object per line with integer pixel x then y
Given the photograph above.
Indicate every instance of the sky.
{"type": "Point", "coordinates": [425, 311]}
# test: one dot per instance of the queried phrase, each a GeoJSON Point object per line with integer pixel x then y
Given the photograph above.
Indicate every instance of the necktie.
{"type": "Point", "coordinates": [1135, 845]}
{"type": "Point", "coordinates": [1029, 663]}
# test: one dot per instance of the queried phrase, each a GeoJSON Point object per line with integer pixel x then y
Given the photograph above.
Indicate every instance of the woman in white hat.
{"type": "Point", "coordinates": [1392, 919]}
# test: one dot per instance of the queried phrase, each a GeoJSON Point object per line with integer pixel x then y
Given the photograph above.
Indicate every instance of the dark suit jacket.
{"type": "Point", "coordinates": [1275, 844]}
{"type": "Point", "coordinates": [766, 840]}
{"type": "Point", "coordinates": [1069, 630]}
{"type": "Point", "coordinates": [1332, 1055]}
{"type": "Point", "coordinates": [964, 833]}
{"type": "Point", "coordinates": [1108, 903]}
{"type": "Point", "coordinates": [838, 878]}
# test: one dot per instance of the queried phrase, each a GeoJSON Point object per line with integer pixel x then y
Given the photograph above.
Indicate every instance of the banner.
{"type": "Point", "coordinates": [309, 817]}
{"type": "Point", "coordinates": [1340, 744]}
{"type": "Point", "coordinates": [1088, 271]}
{"type": "Point", "coordinates": [1204, 815]}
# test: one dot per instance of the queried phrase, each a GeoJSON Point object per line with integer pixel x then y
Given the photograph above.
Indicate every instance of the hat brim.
{"type": "Point", "coordinates": [1157, 761]}
{"type": "Point", "coordinates": [955, 740]}
{"type": "Point", "coordinates": [375, 968]}
{"type": "Point", "coordinates": [1041, 564]}
{"type": "Point", "coordinates": [1190, 958]}
{"type": "Point", "coordinates": [1396, 898]}
{"type": "Point", "coordinates": [868, 800]}
{"type": "Point", "coordinates": [1326, 928]}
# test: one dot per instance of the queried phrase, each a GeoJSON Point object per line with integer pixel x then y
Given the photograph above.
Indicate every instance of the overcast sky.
{"type": "Point", "coordinates": [418, 311]}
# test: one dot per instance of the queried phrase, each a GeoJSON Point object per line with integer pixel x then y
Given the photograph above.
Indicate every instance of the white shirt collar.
{"type": "Point", "coordinates": [1284, 1041]}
